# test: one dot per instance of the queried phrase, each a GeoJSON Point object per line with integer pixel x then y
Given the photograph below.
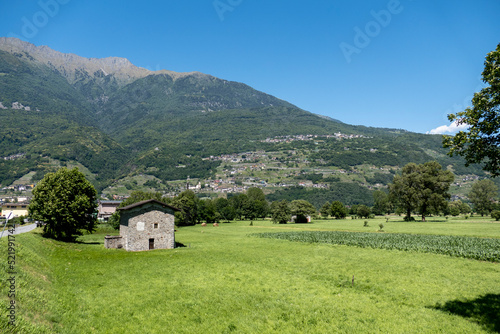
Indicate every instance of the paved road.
{"type": "Point", "coordinates": [19, 229]}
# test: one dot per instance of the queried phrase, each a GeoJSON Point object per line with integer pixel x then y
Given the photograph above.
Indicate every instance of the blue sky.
{"type": "Point", "coordinates": [400, 64]}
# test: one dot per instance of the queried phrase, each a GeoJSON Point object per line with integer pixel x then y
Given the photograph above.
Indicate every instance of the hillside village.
{"type": "Point", "coordinates": [237, 173]}
{"type": "Point", "coordinates": [288, 166]}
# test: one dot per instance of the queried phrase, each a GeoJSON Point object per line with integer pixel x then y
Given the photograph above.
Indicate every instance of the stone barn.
{"type": "Point", "coordinates": [143, 226]}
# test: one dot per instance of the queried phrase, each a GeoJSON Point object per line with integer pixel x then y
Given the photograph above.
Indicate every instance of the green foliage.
{"type": "Point", "coordinates": [457, 207]}
{"type": "Point", "coordinates": [423, 187]}
{"type": "Point", "coordinates": [255, 205]}
{"type": "Point", "coordinates": [484, 249]}
{"type": "Point", "coordinates": [348, 193]}
{"type": "Point", "coordinates": [481, 143]}
{"type": "Point", "coordinates": [495, 214]}
{"type": "Point", "coordinates": [363, 211]}
{"type": "Point", "coordinates": [135, 129]}
{"type": "Point", "coordinates": [280, 212]}
{"type": "Point", "coordinates": [325, 210]}
{"type": "Point", "coordinates": [226, 211]}
{"type": "Point", "coordinates": [301, 209]}
{"type": "Point", "coordinates": [66, 202]}
{"type": "Point", "coordinates": [207, 211]}
{"type": "Point", "coordinates": [482, 195]}
{"type": "Point", "coordinates": [188, 204]}
{"type": "Point", "coordinates": [338, 210]}
{"type": "Point", "coordinates": [381, 202]}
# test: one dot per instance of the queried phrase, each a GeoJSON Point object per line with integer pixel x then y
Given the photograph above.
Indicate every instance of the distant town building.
{"type": "Point", "coordinates": [17, 209]}
{"type": "Point", "coordinates": [106, 209]}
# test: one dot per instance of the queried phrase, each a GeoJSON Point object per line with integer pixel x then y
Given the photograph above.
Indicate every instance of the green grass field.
{"type": "Point", "coordinates": [227, 280]}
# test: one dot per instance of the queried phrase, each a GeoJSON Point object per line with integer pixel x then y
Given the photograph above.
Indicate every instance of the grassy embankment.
{"type": "Point", "coordinates": [228, 281]}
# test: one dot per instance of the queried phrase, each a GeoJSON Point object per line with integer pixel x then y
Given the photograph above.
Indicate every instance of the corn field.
{"type": "Point", "coordinates": [484, 249]}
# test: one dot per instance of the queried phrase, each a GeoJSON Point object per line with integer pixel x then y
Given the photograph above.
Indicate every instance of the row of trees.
{"type": "Point", "coordinates": [250, 206]}
{"type": "Point", "coordinates": [67, 202]}
{"type": "Point", "coordinates": [422, 189]}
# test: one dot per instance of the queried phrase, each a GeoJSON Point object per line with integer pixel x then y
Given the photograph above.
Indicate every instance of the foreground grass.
{"type": "Point", "coordinates": [226, 281]}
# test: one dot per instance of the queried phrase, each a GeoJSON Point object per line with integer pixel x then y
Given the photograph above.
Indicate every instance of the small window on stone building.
{"type": "Point", "coordinates": [155, 225]}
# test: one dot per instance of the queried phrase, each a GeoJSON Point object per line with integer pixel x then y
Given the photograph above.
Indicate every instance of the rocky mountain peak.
{"type": "Point", "coordinates": [72, 66]}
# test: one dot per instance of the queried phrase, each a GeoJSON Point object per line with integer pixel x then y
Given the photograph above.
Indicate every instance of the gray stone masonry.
{"type": "Point", "coordinates": [145, 225]}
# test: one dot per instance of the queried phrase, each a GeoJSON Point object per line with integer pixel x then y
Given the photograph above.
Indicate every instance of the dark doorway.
{"type": "Point", "coordinates": [151, 243]}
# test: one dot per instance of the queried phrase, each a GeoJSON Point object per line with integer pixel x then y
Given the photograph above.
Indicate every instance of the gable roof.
{"type": "Point", "coordinates": [141, 203]}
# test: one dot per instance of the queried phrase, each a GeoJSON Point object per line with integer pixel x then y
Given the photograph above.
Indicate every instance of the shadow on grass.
{"type": "Point", "coordinates": [85, 242]}
{"type": "Point", "coordinates": [484, 310]}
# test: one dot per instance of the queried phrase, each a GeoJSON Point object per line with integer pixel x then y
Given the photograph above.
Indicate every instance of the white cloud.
{"type": "Point", "coordinates": [452, 128]}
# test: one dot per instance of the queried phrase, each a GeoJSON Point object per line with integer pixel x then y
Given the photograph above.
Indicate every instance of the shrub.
{"type": "Point", "coordinates": [495, 214]}
{"type": "Point", "coordinates": [409, 219]}
{"type": "Point", "coordinates": [381, 225]}
{"type": "Point", "coordinates": [366, 223]}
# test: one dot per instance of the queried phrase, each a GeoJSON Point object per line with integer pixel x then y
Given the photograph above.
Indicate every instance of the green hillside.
{"type": "Point", "coordinates": [171, 125]}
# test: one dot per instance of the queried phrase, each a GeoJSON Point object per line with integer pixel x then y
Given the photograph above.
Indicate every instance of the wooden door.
{"type": "Point", "coordinates": [151, 243]}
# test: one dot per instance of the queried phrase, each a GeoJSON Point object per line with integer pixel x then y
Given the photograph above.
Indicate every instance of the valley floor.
{"type": "Point", "coordinates": [225, 280]}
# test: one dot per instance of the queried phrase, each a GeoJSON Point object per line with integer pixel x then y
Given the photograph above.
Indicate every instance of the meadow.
{"type": "Point", "coordinates": [227, 279]}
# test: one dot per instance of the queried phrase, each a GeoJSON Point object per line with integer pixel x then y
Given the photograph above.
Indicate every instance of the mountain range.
{"type": "Point", "coordinates": [118, 120]}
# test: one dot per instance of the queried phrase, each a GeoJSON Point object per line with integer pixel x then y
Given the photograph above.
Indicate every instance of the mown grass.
{"type": "Point", "coordinates": [227, 281]}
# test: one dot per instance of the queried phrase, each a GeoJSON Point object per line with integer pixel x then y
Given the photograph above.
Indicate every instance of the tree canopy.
{"type": "Point", "coordinates": [482, 195]}
{"type": "Point", "coordinates": [338, 210]}
{"type": "Point", "coordinates": [480, 143]}
{"type": "Point", "coordinates": [66, 202]}
{"type": "Point", "coordinates": [301, 209]}
{"type": "Point", "coordinates": [280, 211]}
{"type": "Point", "coordinates": [423, 187]}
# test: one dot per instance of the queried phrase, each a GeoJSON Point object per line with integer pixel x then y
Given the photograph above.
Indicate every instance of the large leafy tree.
{"type": "Point", "coordinates": [325, 210]}
{"type": "Point", "coordinates": [363, 211]}
{"type": "Point", "coordinates": [381, 203]}
{"type": "Point", "coordinates": [239, 203]}
{"type": "Point", "coordinates": [424, 187]}
{"type": "Point", "coordinates": [188, 204]}
{"type": "Point", "coordinates": [301, 209]}
{"type": "Point", "coordinates": [225, 209]}
{"type": "Point", "coordinates": [66, 202]}
{"type": "Point", "coordinates": [280, 211]}
{"type": "Point", "coordinates": [257, 202]}
{"type": "Point", "coordinates": [338, 210]}
{"type": "Point", "coordinates": [482, 196]}
{"type": "Point", "coordinates": [404, 189]}
{"type": "Point", "coordinates": [480, 144]}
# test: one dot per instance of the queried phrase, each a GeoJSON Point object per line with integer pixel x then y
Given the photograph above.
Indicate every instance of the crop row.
{"type": "Point", "coordinates": [485, 249]}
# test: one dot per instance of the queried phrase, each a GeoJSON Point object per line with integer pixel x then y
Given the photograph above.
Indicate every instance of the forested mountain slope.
{"type": "Point", "coordinates": [118, 119]}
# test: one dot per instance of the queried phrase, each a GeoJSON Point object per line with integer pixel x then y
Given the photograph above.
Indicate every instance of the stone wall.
{"type": "Point", "coordinates": [139, 225]}
{"type": "Point", "coordinates": [113, 241]}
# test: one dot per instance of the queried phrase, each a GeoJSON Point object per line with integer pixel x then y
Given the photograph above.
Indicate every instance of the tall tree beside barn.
{"type": "Point", "coordinates": [67, 202]}
{"type": "Point", "coordinates": [188, 203]}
